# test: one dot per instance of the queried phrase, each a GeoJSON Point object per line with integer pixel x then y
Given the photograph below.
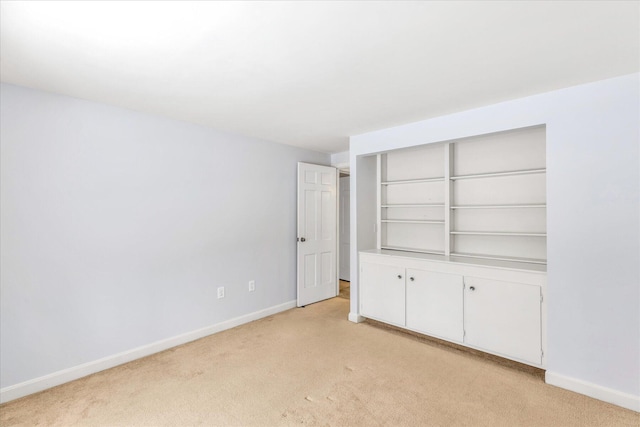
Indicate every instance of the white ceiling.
{"type": "Point", "coordinates": [312, 73]}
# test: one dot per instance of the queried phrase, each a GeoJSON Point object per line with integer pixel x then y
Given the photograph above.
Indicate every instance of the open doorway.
{"type": "Point", "coordinates": [343, 234]}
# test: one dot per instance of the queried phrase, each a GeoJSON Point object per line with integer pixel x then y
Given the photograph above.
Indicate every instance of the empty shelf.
{"type": "Point", "coordinates": [414, 205]}
{"type": "Point", "coordinates": [523, 206]}
{"type": "Point", "coordinates": [422, 251]}
{"type": "Point", "coordinates": [501, 258]}
{"type": "Point", "coordinates": [412, 181]}
{"type": "Point", "coordinates": [412, 221]}
{"type": "Point", "coordinates": [494, 174]}
{"type": "Point", "coordinates": [498, 233]}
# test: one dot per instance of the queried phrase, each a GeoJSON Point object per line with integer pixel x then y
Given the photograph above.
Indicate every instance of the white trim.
{"type": "Point", "coordinates": [448, 198]}
{"type": "Point", "coordinates": [355, 318]}
{"type": "Point", "coordinates": [378, 226]}
{"type": "Point", "coordinates": [338, 204]}
{"type": "Point", "coordinates": [60, 377]}
{"type": "Point", "coordinates": [342, 167]}
{"type": "Point", "coordinates": [609, 395]}
{"type": "Point", "coordinates": [337, 263]}
{"type": "Point", "coordinates": [340, 160]}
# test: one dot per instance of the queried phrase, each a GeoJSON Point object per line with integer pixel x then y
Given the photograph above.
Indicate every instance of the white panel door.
{"type": "Point", "coordinates": [504, 318]}
{"type": "Point", "coordinates": [344, 228]}
{"type": "Point", "coordinates": [382, 292]}
{"type": "Point", "coordinates": [434, 304]}
{"type": "Point", "coordinates": [317, 233]}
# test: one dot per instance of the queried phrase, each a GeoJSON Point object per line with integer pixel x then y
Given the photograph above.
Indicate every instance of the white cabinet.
{"type": "Point", "coordinates": [503, 317]}
{"type": "Point", "coordinates": [384, 296]}
{"type": "Point", "coordinates": [494, 306]}
{"type": "Point", "coordinates": [423, 301]}
{"type": "Point", "coordinates": [434, 304]}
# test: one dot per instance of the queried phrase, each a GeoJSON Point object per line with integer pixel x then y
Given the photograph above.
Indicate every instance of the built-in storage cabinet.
{"type": "Point", "coordinates": [494, 306]}
{"type": "Point", "coordinates": [434, 304]}
{"type": "Point", "coordinates": [384, 296]}
{"type": "Point", "coordinates": [461, 248]}
{"type": "Point", "coordinates": [504, 317]}
{"type": "Point", "coordinates": [480, 197]}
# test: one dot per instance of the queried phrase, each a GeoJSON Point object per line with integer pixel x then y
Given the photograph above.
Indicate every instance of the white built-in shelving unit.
{"type": "Point", "coordinates": [461, 247]}
{"type": "Point", "coordinates": [479, 197]}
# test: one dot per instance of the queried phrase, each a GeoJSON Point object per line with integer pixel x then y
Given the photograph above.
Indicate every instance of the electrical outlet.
{"type": "Point", "coordinates": [252, 285]}
{"type": "Point", "coordinates": [221, 292]}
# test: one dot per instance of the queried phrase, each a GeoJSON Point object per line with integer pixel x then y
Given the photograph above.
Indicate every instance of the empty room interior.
{"type": "Point", "coordinates": [336, 213]}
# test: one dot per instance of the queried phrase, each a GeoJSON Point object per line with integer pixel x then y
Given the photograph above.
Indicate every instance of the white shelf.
{"type": "Point", "coordinates": [414, 205]}
{"type": "Point", "coordinates": [421, 251]}
{"type": "Point", "coordinates": [498, 233]}
{"type": "Point", "coordinates": [514, 200]}
{"type": "Point", "coordinates": [412, 181]}
{"type": "Point", "coordinates": [412, 221]}
{"type": "Point", "coordinates": [496, 174]}
{"type": "Point", "coordinates": [512, 263]}
{"type": "Point", "coordinates": [499, 258]}
{"type": "Point", "coordinates": [523, 206]}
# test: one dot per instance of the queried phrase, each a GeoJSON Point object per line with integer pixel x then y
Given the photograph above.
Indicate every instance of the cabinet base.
{"type": "Point", "coordinates": [356, 318]}
{"type": "Point", "coordinates": [531, 370]}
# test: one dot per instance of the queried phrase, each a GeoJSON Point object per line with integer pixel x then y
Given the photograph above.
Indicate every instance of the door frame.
{"type": "Point", "coordinates": [342, 168]}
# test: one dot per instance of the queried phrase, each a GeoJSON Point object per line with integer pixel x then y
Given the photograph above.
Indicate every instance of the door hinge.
{"type": "Point", "coordinates": [541, 298]}
{"type": "Point", "coordinates": [541, 353]}
{"type": "Point", "coordinates": [464, 333]}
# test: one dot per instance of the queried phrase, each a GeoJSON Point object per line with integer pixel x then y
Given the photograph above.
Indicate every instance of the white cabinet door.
{"type": "Point", "coordinates": [504, 318]}
{"type": "Point", "coordinates": [434, 304]}
{"type": "Point", "coordinates": [382, 292]}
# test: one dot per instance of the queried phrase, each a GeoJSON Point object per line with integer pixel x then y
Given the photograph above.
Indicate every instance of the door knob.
{"type": "Point", "coordinates": [302, 239]}
{"type": "Point", "coordinates": [472, 288]}
{"type": "Point", "coordinates": [412, 278]}
{"type": "Point", "coordinates": [399, 276]}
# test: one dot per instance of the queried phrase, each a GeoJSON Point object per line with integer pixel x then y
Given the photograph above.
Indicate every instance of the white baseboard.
{"type": "Point", "coordinates": [355, 318]}
{"type": "Point", "coordinates": [56, 378]}
{"type": "Point", "coordinates": [609, 395]}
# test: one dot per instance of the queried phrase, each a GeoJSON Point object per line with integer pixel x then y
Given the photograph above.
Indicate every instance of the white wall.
{"type": "Point", "coordinates": [593, 180]}
{"type": "Point", "coordinates": [363, 221]}
{"type": "Point", "coordinates": [118, 226]}
{"type": "Point", "coordinates": [340, 160]}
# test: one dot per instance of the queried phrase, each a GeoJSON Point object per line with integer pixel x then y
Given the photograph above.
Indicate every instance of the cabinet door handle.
{"type": "Point", "coordinates": [472, 288]}
{"type": "Point", "coordinates": [399, 276]}
{"type": "Point", "coordinates": [412, 279]}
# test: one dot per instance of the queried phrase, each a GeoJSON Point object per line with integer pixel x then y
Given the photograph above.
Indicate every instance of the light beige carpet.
{"type": "Point", "coordinates": [310, 366]}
